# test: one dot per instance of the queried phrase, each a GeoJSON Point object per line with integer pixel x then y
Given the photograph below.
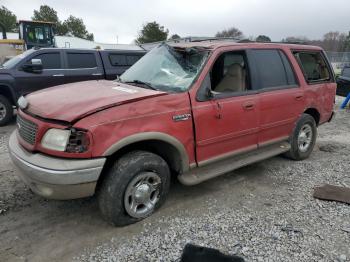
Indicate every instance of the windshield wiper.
{"type": "Point", "coordinates": [139, 82]}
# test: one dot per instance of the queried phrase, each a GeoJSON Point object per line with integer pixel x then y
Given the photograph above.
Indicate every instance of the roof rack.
{"type": "Point", "coordinates": [211, 39]}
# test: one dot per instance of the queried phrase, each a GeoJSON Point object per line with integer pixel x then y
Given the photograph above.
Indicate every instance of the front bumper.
{"type": "Point", "coordinates": [55, 178]}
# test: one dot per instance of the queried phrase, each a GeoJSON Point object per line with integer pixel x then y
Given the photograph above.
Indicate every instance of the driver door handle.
{"type": "Point", "coordinates": [58, 75]}
{"type": "Point", "coordinates": [248, 105]}
{"type": "Point", "coordinates": [298, 97]}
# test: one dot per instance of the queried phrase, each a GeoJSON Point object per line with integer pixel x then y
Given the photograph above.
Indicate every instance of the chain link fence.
{"type": "Point", "coordinates": [339, 60]}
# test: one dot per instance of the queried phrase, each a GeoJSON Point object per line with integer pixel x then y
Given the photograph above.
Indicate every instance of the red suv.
{"type": "Point", "coordinates": [190, 110]}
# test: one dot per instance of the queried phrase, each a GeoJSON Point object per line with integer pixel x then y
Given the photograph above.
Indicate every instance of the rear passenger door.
{"type": "Point", "coordinates": [280, 97]}
{"type": "Point", "coordinates": [320, 85]}
{"type": "Point", "coordinates": [27, 82]}
{"type": "Point", "coordinates": [82, 66]}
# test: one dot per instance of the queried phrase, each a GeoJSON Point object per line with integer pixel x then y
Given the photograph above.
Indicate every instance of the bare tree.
{"type": "Point", "coordinates": [231, 32]}
{"type": "Point", "coordinates": [334, 41]}
{"type": "Point", "coordinates": [296, 39]}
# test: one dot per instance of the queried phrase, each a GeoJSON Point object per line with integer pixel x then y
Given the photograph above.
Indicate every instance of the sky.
{"type": "Point", "coordinates": [121, 20]}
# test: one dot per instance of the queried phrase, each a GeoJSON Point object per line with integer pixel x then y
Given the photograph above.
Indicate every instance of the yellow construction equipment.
{"type": "Point", "coordinates": [31, 34]}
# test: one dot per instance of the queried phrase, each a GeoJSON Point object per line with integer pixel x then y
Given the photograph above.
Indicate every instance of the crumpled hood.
{"type": "Point", "coordinates": [74, 101]}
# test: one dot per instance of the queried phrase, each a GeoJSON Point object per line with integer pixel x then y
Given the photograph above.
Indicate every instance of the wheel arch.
{"type": "Point", "coordinates": [7, 92]}
{"type": "Point", "coordinates": [314, 113]}
{"type": "Point", "coordinates": [164, 145]}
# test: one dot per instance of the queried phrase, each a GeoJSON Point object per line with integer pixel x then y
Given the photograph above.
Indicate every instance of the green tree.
{"type": "Point", "coordinates": [174, 37]}
{"type": "Point", "coordinates": [73, 25]}
{"type": "Point", "coordinates": [231, 32]}
{"type": "Point", "coordinates": [152, 32]}
{"type": "Point", "coordinates": [76, 27]}
{"type": "Point", "coordinates": [8, 19]}
{"type": "Point", "coordinates": [263, 38]}
{"type": "Point", "coordinates": [48, 14]}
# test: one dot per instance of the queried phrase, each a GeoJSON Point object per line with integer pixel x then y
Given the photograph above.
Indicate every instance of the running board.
{"type": "Point", "coordinates": [201, 174]}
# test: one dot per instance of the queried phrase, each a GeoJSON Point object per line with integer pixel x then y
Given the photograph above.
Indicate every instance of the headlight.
{"type": "Point", "coordinates": [71, 141]}
{"type": "Point", "coordinates": [56, 139]}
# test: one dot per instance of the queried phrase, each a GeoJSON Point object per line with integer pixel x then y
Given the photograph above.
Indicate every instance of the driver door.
{"type": "Point", "coordinates": [227, 122]}
{"type": "Point", "coordinates": [51, 75]}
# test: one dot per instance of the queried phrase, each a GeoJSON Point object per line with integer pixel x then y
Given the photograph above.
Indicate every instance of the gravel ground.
{"type": "Point", "coordinates": [263, 212]}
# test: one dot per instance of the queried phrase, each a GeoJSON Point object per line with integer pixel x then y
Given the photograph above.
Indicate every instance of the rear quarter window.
{"type": "Point", "coordinates": [346, 72]}
{"type": "Point", "coordinates": [314, 66]}
{"type": "Point", "coordinates": [123, 59]}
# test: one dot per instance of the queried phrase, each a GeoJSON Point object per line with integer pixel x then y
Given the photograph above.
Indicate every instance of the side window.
{"type": "Point", "coordinates": [123, 60]}
{"type": "Point", "coordinates": [117, 60]}
{"type": "Point", "coordinates": [229, 73]}
{"type": "Point", "coordinates": [132, 59]}
{"type": "Point", "coordinates": [81, 60]}
{"type": "Point", "coordinates": [49, 60]}
{"type": "Point", "coordinates": [289, 71]}
{"type": "Point", "coordinates": [314, 66]}
{"type": "Point", "coordinates": [346, 72]}
{"type": "Point", "coordinates": [273, 69]}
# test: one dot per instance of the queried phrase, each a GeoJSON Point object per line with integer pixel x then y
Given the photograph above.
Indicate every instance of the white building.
{"type": "Point", "coordinates": [76, 42]}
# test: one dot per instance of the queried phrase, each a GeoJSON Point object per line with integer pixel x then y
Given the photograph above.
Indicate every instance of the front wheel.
{"type": "Point", "coordinates": [134, 187]}
{"type": "Point", "coordinates": [303, 138]}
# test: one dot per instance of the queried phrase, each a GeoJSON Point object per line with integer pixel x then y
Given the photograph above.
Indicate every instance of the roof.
{"type": "Point", "coordinates": [39, 22]}
{"type": "Point", "coordinates": [75, 42]}
{"type": "Point", "coordinates": [217, 44]}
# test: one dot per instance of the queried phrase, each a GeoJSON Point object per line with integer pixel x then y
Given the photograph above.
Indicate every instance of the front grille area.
{"type": "Point", "coordinates": [27, 130]}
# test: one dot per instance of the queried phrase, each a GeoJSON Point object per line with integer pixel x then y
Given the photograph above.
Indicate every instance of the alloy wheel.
{"type": "Point", "coordinates": [142, 194]}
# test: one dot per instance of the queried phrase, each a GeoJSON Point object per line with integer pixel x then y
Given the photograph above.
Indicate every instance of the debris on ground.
{"type": "Point", "coordinates": [194, 253]}
{"type": "Point", "coordinates": [335, 193]}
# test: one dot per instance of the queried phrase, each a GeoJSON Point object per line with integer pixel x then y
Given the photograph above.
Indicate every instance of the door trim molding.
{"type": "Point", "coordinates": [227, 137]}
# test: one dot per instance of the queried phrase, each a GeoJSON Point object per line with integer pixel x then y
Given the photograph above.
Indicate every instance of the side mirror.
{"type": "Point", "coordinates": [35, 66]}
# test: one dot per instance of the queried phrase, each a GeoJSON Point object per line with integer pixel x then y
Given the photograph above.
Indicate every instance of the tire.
{"type": "Point", "coordinates": [301, 145]}
{"type": "Point", "coordinates": [6, 110]}
{"type": "Point", "coordinates": [121, 190]}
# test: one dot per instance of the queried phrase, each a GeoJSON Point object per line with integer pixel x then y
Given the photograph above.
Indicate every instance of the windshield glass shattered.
{"type": "Point", "coordinates": [166, 68]}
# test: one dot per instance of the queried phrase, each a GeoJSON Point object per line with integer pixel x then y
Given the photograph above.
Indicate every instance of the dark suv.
{"type": "Point", "coordinates": [343, 82]}
{"type": "Point", "coordinates": [37, 69]}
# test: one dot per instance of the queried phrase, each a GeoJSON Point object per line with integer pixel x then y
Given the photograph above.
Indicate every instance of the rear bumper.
{"type": "Point", "coordinates": [332, 116]}
{"type": "Point", "coordinates": [55, 178]}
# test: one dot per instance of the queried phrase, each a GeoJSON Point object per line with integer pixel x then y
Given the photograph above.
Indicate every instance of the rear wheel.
{"type": "Point", "coordinates": [6, 110]}
{"type": "Point", "coordinates": [135, 186]}
{"type": "Point", "coordinates": [303, 138]}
